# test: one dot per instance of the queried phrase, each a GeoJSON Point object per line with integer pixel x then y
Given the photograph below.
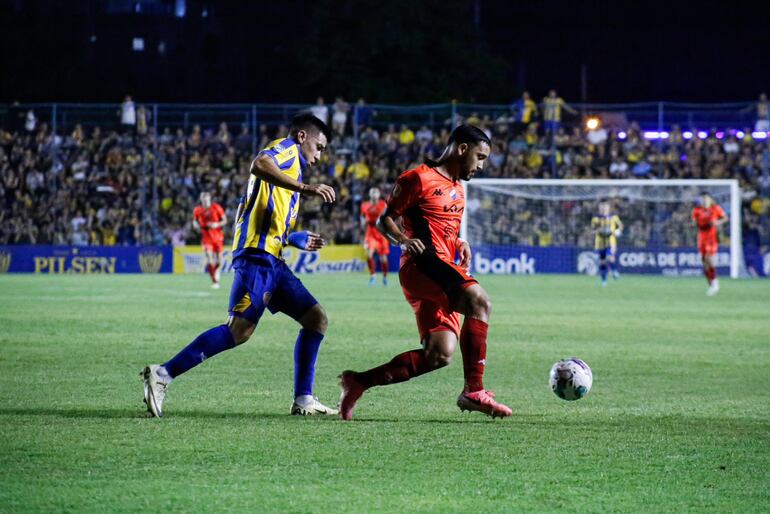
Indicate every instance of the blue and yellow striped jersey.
{"type": "Point", "coordinates": [269, 212]}
{"type": "Point", "coordinates": [605, 227]}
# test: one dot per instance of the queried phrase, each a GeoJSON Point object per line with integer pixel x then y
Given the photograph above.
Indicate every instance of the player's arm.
{"type": "Point", "coordinates": [387, 225]}
{"type": "Point", "coordinates": [721, 220]}
{"type": "Point", "coordinates": [464, 249]}
{"type": "Point", "coordinates": [618, 226]}
{"type": "Point", "coordinates": [265, 168]}
{"type": "Point", "coordinates": [568, 107]}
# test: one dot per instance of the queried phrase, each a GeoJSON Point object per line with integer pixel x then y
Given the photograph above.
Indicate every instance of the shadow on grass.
{"type": "Point", "coordinates": [671, 423]}
{"type": "Point", "coordinates": [112, 413]}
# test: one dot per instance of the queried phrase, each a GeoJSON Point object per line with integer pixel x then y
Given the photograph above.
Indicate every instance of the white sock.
{"type": "Point", "coordinates": [163, 373]}
{"type": "Point", "coordinates": [303, 399]}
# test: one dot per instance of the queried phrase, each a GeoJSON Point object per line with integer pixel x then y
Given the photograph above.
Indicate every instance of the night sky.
{"type": "Point", "coordinates": [397, 51]}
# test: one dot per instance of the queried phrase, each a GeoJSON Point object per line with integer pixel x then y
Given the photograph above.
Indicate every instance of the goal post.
{"type": "Point", "coordinates": [544, 225]}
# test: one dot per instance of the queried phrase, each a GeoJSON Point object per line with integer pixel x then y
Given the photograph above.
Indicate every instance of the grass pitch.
{"type": "Point", "coordinates": [678, 419]}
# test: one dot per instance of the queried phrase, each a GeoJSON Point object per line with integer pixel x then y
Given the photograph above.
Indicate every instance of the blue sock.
{"type": "Point", "coordinates": [305, 355]}
{"type": "Point", "coordinates": [603, 270]}
{"type": "Point", "coordinates": [208, 344]}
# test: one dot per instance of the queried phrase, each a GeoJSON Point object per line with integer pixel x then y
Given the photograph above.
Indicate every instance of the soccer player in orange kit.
{"type": "Point", "coordinates": [430, 200]}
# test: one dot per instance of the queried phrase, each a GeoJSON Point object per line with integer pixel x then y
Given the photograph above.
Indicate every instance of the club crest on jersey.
{"type": "Point", "coordinates": [453, 194]}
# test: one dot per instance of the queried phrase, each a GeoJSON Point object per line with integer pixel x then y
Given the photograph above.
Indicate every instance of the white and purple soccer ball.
{"type": "Point", "coordinates": [571, 379]}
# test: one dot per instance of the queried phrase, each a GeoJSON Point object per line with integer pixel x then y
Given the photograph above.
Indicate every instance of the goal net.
{"type": "Point", "coordinates": [544, 226]}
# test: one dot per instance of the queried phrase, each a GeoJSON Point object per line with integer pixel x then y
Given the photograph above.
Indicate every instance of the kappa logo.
{"type": "Point", "coordinates": [438, 192]}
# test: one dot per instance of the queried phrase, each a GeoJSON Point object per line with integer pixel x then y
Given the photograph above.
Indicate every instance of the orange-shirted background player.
{"type": "Point", "coordinates": [209, 217]}
{"type": "Point", "coordinates": [374, 242]}
{"type": "Point", "coordinates": [430, 200]}
{"type": "Point", "coordinates": [707, 217]}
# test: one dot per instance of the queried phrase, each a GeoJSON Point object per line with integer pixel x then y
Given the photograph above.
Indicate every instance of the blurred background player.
{"type": "Point", "coordinates": [707, 217]}
{"type": "Point", "coordinates": [608, 228]}
{"type": "Point", "coordinates": [430, 201]}
{"type": "Point", "coordinates": [374, 242]}
{"type": "Point", "coordinates": [209, 217]}
{"type": "Point", "coordinates": [266, 215]}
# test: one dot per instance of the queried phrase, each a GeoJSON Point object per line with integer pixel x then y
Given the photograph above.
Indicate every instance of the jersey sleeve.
{"type": "Point", "coordinates": [719, 212]}
{"type": "Point", "coordinates": [363, 208]}
{"type": "Point", "coordinates": [197, 214]}
{"type": "Point", "coordinates": [594, 222]}
{"type": "Point", "coordinates": [282, 155]}
{"type": "Point", "coordinates": [220, 212]}
{"type": "Point", "coordinates": [616, 222]}
{"type": "Point", "coordinates": [405, 193]}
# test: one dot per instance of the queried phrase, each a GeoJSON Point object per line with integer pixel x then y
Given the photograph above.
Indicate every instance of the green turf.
{"type": "Point", "coordinates": [678, 420]}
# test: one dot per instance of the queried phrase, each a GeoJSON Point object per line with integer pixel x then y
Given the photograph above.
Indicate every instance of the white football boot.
{"type": "Point", "coordinates": [713, 288]}
{"type": "Point", "coordinates": [154, 389]}
{"type": "Point", "coordinates": [307, 405]}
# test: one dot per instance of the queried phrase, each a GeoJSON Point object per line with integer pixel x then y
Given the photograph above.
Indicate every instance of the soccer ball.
{"type": "Point", "coordinates": [571, 379]}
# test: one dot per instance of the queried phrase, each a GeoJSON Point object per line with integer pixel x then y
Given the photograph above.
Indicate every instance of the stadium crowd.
{"type": "Point", "coordinates": [94, 185]}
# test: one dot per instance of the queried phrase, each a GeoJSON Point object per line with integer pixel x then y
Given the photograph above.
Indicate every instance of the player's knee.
{"type": "Point", "coordinates": [481, 305]}
{"type": "Point", "coordinates": [316, 319]}
{"type": "Point", "coordinates": [241, 331]}
{"type": "Point", "coordinates": [440, 359]}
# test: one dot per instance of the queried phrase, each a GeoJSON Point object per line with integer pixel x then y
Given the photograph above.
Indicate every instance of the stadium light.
{"type": "Point", "coordinates": [622, 135]}
{"type": "Point", "coordinates": [593, 123]}
{"type": "Point", "coordinates": [687, 134]}
{"type": "Point", "coordinates": [702, 134]}
{"type": "Point", "coordinates": [759, 135]}
{"type": "Point", "coordinates": [740, 134]}
{"type": "Point", "coordinates": [720, 135]}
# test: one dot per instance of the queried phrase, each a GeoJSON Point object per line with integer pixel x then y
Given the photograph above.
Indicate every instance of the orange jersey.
{"type": "Point", "coordinates": [431, 207]}
{"type": "Point", "coordinates": [371, 213]}
{"type": "Point", "coordinates": [704, 219]}
{"type": "Point", "coordinates": [204, 217]}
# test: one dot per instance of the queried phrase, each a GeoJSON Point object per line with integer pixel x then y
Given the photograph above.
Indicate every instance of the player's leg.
{"type": "Point", "coordinates": [384, 252]}
{"type": "Point", "coordinates": [611, 262]}
{"type": "Point", "coordinates": [210, 259]}
{"type": "Point", "coordinates": [603, 265]}
{"type": "Point", "coordinates": [292, 298]}
{"type": "Point", "coordinates": [370, 262]}
{"type": "Point", "coordinates": [244, 316]}
{"type": "Point", "coordinates": [474, 303]}
{"type": "Point", "coordinates": [436, 352]}
{"type": "Point", "coordinates": [709, 263]}
{"type": "Point", "coordinates": [218, 265]}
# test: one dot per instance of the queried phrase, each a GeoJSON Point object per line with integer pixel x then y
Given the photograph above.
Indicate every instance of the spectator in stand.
{"type": "Point", "coordinates": [406, 136]}
{"type": "Point", "coordinates": [320, 110]}
{"type": "Point", "coordinates": [523, 111]}
{"type": "Point", "coordinates": [552, 107]}
{"type": "Point", "coordinates": [128, 114]}
{"type": "Point", "coordinates": [339, 116]}
{"type": "Point", "coordinates": [763, 114]}
{"type": "Point", "coordinates": [364, 114]}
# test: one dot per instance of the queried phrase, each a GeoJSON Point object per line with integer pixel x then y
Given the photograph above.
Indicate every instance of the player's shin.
{"type": "Point", "coordinates": [305, 355]}
{"type": "Point", "coordinates": [401, 368]}
{"type": "Point", "coordinates": [473, 345]}
{"type": "Point", "coordinates": [603, 271]}
{"type": "Point", "coordinates": [206, 345]}
{"type": "Point", "coordinates": [370, 263]}
{"type": "Point", "coordinates": [384, 264]}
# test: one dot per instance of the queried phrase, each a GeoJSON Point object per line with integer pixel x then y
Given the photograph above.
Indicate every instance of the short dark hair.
{"type": "Point", "coordinates": [468, 134]}
{"type": "Point", "coordinates": [705, 193]}
{"type": "Point", "coordinates": [308, 122]}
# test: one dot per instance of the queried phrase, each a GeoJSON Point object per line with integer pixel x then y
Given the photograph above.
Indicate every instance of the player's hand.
{"type": "Point", "coordinates": [465, 255]}
{"type": "Point", "coordinates": [618, 232]}
{"type": "Point", "coordinates": [314, 242]}
{"type": "Point", "coordinates": [322, 190]}
{"type": "Point", "coordinates": [413, 246]}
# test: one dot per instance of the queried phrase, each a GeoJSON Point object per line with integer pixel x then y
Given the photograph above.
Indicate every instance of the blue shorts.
{"type": "Point", "coordinates": [605, 252]}
{"type": "Point", "coordinates": [552, 126]}
{"type": "Point", "coordinates": [265, 281]}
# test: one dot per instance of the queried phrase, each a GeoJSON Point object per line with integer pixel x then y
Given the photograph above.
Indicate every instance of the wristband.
{"type": "Point", "coordinates": [298, 240]}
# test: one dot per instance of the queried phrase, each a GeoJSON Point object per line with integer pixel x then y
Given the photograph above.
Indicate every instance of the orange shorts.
{"type": "Point", "coordinates": [432, 286]}
{"type": "Point", "coordinates": [708, 247]}
{"type": "Point", "coordinates": [378, 243]}
{"type": "Point", "coordinates": [212, 246]}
